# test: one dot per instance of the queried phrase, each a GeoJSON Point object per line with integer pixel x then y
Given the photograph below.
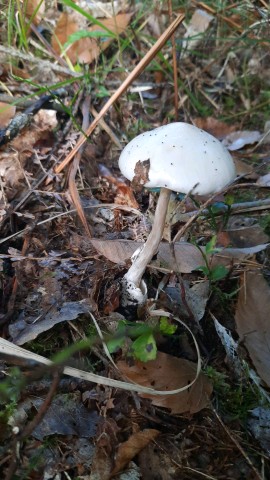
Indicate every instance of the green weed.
{"type": "Point", "coordinates": [140, 338]}
{"type": "Point", "coordinates": [213, 273]}
{"type": "Point", "coordinates": [233, 399]}
{"type": "Point", "coordinates": [264, 222]}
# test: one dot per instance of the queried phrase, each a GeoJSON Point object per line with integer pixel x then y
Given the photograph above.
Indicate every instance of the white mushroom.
{"type": "Point", "coordinates": [178, 157]}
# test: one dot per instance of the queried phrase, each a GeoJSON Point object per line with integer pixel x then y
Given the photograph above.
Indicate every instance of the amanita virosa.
{"type": "Point", "coordinates": [175, 157]}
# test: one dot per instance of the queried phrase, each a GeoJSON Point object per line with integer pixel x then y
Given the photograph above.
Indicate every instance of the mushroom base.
{"type": "Point", "coordinates": [134, 290]}
{"type": "Point", "coordinates": [133, 295]}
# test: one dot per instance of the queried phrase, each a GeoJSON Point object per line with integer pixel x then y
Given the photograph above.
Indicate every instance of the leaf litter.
{"type": "Point", "coordinates": [54, 277]}
{"type": "Point", "coordinates": [252, 320]}
{"type": "Point", "coordinates": [168, 373]}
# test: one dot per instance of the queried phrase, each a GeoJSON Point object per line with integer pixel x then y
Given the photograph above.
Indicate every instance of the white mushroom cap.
{"type": "Point", "coordinates": [181, 156]}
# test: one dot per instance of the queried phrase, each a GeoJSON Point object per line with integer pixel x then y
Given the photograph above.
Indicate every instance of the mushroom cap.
{"type": "Point", "coordinates": [181, 156]}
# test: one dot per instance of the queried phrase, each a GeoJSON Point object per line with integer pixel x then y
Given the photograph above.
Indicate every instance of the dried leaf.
{"type": "Point", "coordinates": [213, 126]}
{"type": "Point", "coordinates": [129, 449]}
{"type": "Point", "coordinates": [98, 9]}
{"type": "Point", "coordinates": [230, 346]}
{"type": "Point", "coordinates": [243, 168]}
{"type": "Point", "coordinates": [22, 332]}
{"type": "Point", "coordinates": [240, 253]}
{"type": "Point", "coordinates": [66, 416]}
{"type": "Point", "coordinates": [187, 255]}
{"type": "Point", "coordinates": [105, 447]}
{"type": "Point", "coordinates": [86, 50]}
{"type": "Point", "coordinates": [259, 424]}
{"type": "Point", "coordinates": [10, 169]}
{"type": "Point", "coordinates": [168, 373]}
{"type": "Point", "coordinates": [238, 140]}
{"type": "Point", "coordinates": [119, 251]}
{"type": "Point", "coordinates": [65, 27]}
{"type": "Point", "coordinates": [125, 196]}
{"type": "Point", "coordinates": [246, 236]}
{"type": "Point", "coordinates": [141, 174]}
{"type": "Point", "coordinates": [196, 297]}
{"type": "Point", "coordinates": [198, 24]}
{"type": "Point", "coordinates": [111, 298]}
{"type": "Point", "coordinates": [39, 131]}
{"type": "Point", "coordinates": [264, 180]}
{"type": "Point", "coordinates": [223, 239]}
{"type": "Point", "coordinates": [252, 320]}
{"type": "Point", "coordinates": [7, 112]}
{"type": "Point", "coordinates": [34, 10]}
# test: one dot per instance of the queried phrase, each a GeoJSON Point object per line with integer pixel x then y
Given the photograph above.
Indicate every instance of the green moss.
{"type": "Point", "coordinates": [233, 398]}
{"type": "Point", "coordinates": [264, 222]}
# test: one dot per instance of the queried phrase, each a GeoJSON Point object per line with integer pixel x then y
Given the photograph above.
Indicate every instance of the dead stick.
{"type": "Point", "coordinates": [174, 57]}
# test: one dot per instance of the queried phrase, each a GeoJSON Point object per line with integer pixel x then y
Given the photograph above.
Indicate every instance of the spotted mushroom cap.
{"type": "Point", "coordinates": [180, 156]}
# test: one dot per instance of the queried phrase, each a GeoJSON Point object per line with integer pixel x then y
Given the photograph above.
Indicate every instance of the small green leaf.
{"type": "Point", "coordinates": [115, 343]}
{"type": "Point", "coordinates": [229, 199]}
{"type": "Point", "coordinates": [102, 92]}
{"type": "Point", "coordinates": [210, 247]}
{"type": "Point", "coordinates": [86, 34]}
{"type": "Point", "coordinates": [215, 208]}
{"type": "Point", "coordinates": [144, 348]}
{"type": "Point", "coordinates": [166, 327]}
{"type": "Point", "coordinates": [205, 270]}
{"type": "Point", "coordinates": [117, 340]}
{"type": "Point", "coordinates": [136, 329]}
{"type": "Point", "coordinates": [218, 273]}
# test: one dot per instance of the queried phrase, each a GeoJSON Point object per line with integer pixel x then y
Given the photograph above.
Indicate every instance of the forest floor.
{"type": "Point", "coordinates": [78, 81]}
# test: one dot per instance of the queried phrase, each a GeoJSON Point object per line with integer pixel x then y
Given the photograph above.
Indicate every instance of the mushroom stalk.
{"type": "Point", "coordinates": [137, 269]}
{"type": "Point", "coordinates": [178, 156]}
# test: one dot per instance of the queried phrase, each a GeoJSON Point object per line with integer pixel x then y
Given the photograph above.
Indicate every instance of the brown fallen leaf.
{"type": "Point", "coordinates": [7, 112]}
{"type": "Point", "coordinates": [243, 168]}
{"type": "Point", "coordinates": [34, 10]}
{"type": "Point", "coordinates": [125, 196]}
{"type": "Point", "coordinates": [141, 175]}
{"type": "Point", "coordinates": [120, 251]}
{"type": "Point", "coordinates": [246, 236]}
{"type": "Point", "coordinates": [169, 373]}
{"type": "Point", "coordinates": [8, 68]}
{"type": "Point", "coordinates": [188, 256]}
{"type": "Point", "coordinates": [40, 133]}
{"type": "Point", "coordinates": [13, 160]}
{"type": "Point", "coordinates": [129, 449]}
{"type": "Point", "coordinates": [215, 127]}
{"type": "Point", "coordinates": [86, 50]}
{"type": "Point", "coordinates": [66, 26]}
{"type": "Point", "coordinates": [252, 320]}
{"type": "Point", "coordinates": [11, 172]}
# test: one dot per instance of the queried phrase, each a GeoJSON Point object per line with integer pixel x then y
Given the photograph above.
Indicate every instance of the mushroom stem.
{"type": "Point", "coordinates": [137, 269]}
